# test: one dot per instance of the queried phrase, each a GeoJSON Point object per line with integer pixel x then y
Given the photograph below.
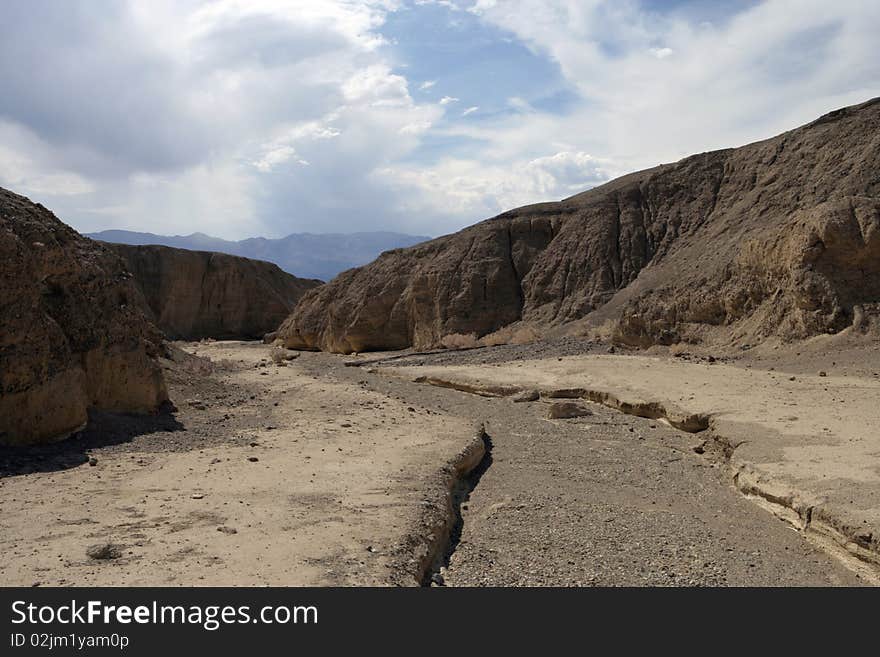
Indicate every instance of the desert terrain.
{"type": "Point", "coordinates": [669, 379]}
{"type": "Point", "coordinates": [314, 471]}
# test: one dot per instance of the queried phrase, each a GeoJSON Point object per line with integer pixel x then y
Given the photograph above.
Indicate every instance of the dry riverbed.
{"type": "Point", "coordinates": [317, 473]}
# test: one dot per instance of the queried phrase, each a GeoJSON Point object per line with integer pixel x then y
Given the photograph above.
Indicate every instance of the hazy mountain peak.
{"type": "Point", "coordinates": [307, 255]}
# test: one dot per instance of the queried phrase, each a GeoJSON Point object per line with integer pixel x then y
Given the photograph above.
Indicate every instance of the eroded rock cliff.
{"type": "Point", "coordinates": [72, 333]}
{"type": "Point", "coordinates": [777, 238]}
{"type": "Point", "coordinates": [198, 294]}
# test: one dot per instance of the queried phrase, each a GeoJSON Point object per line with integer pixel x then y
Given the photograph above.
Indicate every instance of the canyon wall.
{"type": "Point", "coordinates": [198, 294]}
{"type": "Point", "coordinates": [72, 332]}
{"type": "Point", "coordinates": [777, 238]}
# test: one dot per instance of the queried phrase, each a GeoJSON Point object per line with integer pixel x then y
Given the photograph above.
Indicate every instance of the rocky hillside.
{"type": "Point", "coordinates": [777, 238]}
{"type": "Point", "coordinates": [197, 294]}
{"type": "Point", "coordinates": [72, 334]}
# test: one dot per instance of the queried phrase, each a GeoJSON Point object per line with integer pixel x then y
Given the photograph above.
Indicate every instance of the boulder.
{"type": "Point", "coordinates": [72, 332]}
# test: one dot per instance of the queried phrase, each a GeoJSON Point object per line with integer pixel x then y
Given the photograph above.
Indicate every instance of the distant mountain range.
{"type": "Point", "coordinates": [306, 255]}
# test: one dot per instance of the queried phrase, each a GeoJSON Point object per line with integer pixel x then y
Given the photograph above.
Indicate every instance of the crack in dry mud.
{"type": "Point", "coordinates": [463, 486]}
{"type": "Point", "coordinates": [442, 527]}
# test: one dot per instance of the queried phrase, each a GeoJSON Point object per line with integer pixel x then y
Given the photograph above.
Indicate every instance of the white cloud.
{"type": "Point", "coordinates": [765, 69]}
{"type": "Point", "coordinates": [762, 71]}
{"type": "Point", "coordinates": [272, 100]}
{"type": "Point", "coordinates": [470, 188]}
{"type": "Point", "coordinates": [26, 166]}
{"type": "Point", "coordinates": [520, 104]}
{"type": "Point", "coordinates": [661, 53]}
{"type": "Point", "coordinates": [242, 117]}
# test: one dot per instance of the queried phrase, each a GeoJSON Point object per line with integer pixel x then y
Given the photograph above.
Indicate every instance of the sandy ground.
{"type": "Point", "coordinates": [321, 484]}
{"type": "Point", "coordinates": [806, 444]}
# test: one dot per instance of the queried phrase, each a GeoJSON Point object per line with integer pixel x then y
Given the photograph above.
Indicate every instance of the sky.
{"type": "Point", "coordinates": [239, 118]}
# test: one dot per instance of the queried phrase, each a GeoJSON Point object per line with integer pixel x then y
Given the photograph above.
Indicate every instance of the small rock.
{"type": "Point", "coordinates": [437, 579]}
{"type": "Point", "coordinates": [527, 396]}
{"type": "Point", "coordinates": [93, 461]}
{"type": "Point", "coordinates": [565, 410]}
{"type": "Point", "coordinates": [227, 530]}
{"type": "Point", "coordinates": [823, 373]}
{"type": "Point", "coordinates": [711, 359]}
{"type": "Point", "coordinates": [253, 459]}
{"type": "Point", "coordinates": [197, 496]}
{"type": "Point", "coordinates": [104, 551]}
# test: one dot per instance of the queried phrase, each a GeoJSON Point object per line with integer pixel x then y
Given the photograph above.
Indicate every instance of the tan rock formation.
{"type": "Point", "coordinates": [72, 334]}
{"type": "Point", "coordinates": [198, 294]}
{"type": "Point", "coordinates": [777, 238]}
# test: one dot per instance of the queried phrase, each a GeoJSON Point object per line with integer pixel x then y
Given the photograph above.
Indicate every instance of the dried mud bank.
{"type": "Point", "coordinates": [857, 548]}
{"type": "Point", "coordinates": [838, 532]}
{"type": "Point", "coordinates": [434, 541]}
{"type": "Point", "coordinates": [653, 410]}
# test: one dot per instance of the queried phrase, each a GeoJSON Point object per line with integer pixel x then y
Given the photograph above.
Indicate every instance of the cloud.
{"type": "Point", "coordinates": [117, 104]}
{"type": "Point", "coordinates": [661, 53]}
{"type": "Point", "coordinates": [651, 88]}
{"type": "Point", "coordinates": [750, 74]}
{"type": "Point", "coordinates": [27, 165]}
{"type": "Point", "coordinates": [471, 189]}
{"type": "Point", "coordinates": [244, 117]}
